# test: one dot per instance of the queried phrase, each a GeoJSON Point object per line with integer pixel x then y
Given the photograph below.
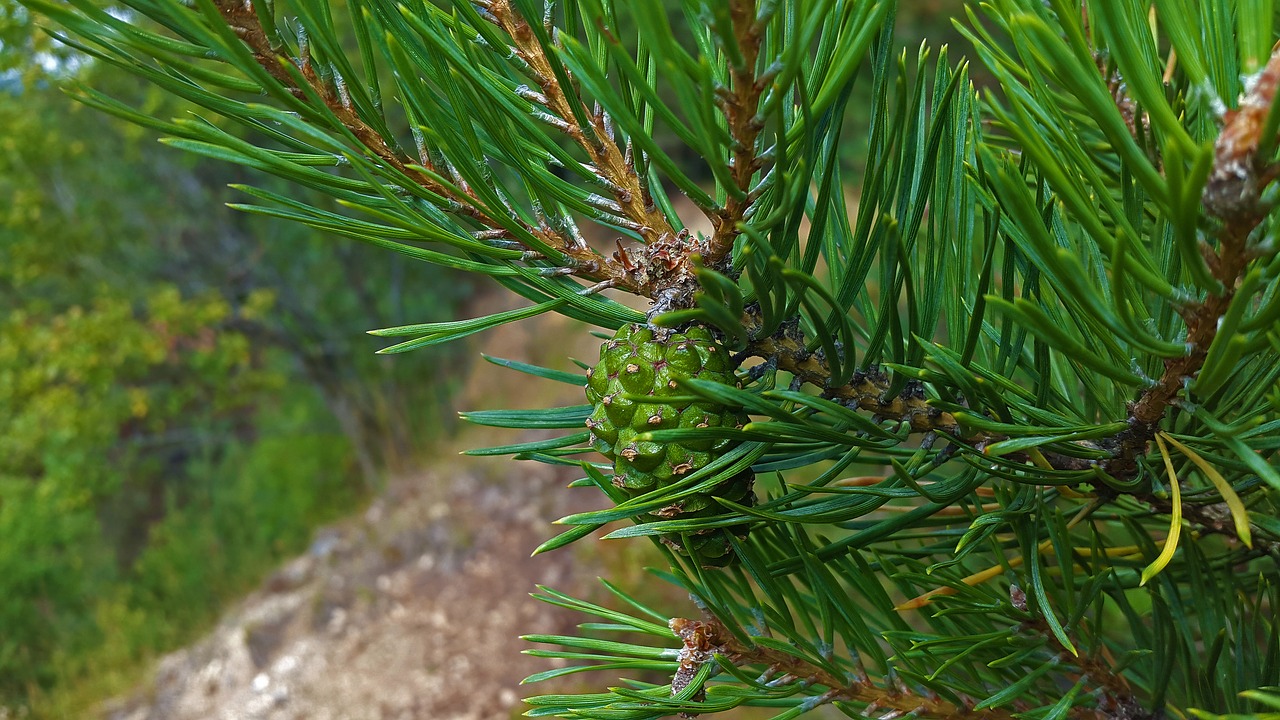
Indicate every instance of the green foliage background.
{"type": "Point", "coordinates": [185, 391]}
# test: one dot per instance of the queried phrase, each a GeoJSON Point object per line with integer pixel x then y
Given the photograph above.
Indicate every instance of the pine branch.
{"type": "Point", "coordinates": [613, 164]}
{"type": "Point", "coordinates": [240, 17]}
{"type": "Point", "coordinates": [704, 639]}
{"type": "Point", "coordinates": [867, 390]}
{"type": "Point", "coordinates": [927, 146]}
{"type": "Point", "coordinates": [663, 268]}
{"type": "Point", "coordinates": [740, 104]}
{"type": "Point", "coordinates": [1233, 195]}
{"type": "Point", "coordinates": [1116, 698]}
{"type": "Point", "coordinates": [1240, 172]}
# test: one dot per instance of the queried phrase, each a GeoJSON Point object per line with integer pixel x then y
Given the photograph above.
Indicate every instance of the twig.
{"type": "Point", "coordinates": [740, 106]}
{"type": "Point", "coordinates": [867, 390]}
{"type": "Point", "coordinates": [662, 268]}
{"type": "Point", "coordinates": [597, 140]}
{"type": "Point", "coordinates": [1233, 196]}
{"type": "Point", "coordinates": [704, 639]}
{"type": "Point", "coordinates": [1116, 696]}
{"type": "Point", "coordinates": [242, 19]}
{"type": "Point", "coordinates": [1234, 191]}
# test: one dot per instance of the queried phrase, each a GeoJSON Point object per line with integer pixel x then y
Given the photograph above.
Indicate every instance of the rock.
{"type": "Point", "coordinates": [351, 631]}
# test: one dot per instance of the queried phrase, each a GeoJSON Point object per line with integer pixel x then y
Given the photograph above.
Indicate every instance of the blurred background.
{"type": "Point", "coordinates": [215, 499]}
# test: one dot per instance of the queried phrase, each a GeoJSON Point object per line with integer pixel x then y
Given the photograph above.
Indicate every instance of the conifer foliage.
{"type": "Point", "coordinates": [1009, 397]}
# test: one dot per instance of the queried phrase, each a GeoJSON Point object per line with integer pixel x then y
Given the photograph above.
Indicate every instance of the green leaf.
{"type": "Point", "coordinates": [435, 333]}
{"type": "Point", "coordinates": [542, 418]}
{"type": "Point", "coordinates": [1238, 513]}
{"type": "Point", "coordinates": [534, 370]}
{"type": "Point", "coordinates": [1175, 520]}
{"type": "Point", "coordinates": [1015, 689]}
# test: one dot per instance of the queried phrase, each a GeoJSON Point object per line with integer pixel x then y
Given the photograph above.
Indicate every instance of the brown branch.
{"type": "Point", "coordinates": [662, 269]}
{"type": "Point", "coordinates": [740, 105]}
{"type": "Point", "coordinates": [1233, 196]}
{"type": "Point", "coordinates": [1234, 190]}
{"type": "Point", "coordinates": [704, 639]}
{"type": "Point", "coordinates": [241, 18]}
{"type": "Point", "coordinates": [1116, 698]}
{"type": "Point", "coordinates": [867, 390]}
{"type": "Point", "coordinates": [609, 159]}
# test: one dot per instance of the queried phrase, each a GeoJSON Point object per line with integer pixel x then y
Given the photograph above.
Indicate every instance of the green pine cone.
{"type": "Point", "coordinates": [638, 362]}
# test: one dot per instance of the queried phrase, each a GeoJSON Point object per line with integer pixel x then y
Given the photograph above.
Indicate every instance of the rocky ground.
{"type": "Point", "coordinates": [411, 611]}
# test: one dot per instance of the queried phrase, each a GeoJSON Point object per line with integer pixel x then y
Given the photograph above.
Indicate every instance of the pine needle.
{"type": "Point", "coordinates": [1229, 496]}
{"type": "Point", "coordinates": [994, 571]}
{"type": "Point", "coordinates": [1175, 525]}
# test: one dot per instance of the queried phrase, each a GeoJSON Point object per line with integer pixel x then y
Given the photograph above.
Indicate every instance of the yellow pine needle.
{"type": "Point", "coordinates": [1039, 459]}
{"type": "Point", "coordinates": [1175, 526]}
{"type": "Point", "coordinates": [974, 579]}
{"type": "Point", "coordinates": [1238, 514]}
{"type": "Point", "coordinates": [1170, 65]}
{"type": "Point", "coordinates": [1120, 551]}
{"type": "Point", "coordinates": [1068, 492]}
{"type": "Point", "coordinates": [994, 571]}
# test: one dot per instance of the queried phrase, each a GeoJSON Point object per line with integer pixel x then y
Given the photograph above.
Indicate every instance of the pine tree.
{"type": "Point", "coordinates": [1009, 398]}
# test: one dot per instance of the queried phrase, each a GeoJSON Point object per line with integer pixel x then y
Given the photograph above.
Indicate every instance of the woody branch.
{"type": "Point", "coordinates": [579, 259]}
{"type": "Point", "coordinates": [1233, 196]}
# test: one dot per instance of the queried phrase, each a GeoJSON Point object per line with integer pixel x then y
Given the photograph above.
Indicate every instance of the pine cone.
{"type": "Point", "coordinates": [639, 362]}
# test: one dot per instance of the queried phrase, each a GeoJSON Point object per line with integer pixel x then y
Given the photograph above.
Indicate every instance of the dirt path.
{"type": "Point", "coordinates": [413, 611]}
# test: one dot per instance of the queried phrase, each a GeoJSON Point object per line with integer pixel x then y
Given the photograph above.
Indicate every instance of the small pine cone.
{"type": "Point", "coordinates": [637, 362]}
